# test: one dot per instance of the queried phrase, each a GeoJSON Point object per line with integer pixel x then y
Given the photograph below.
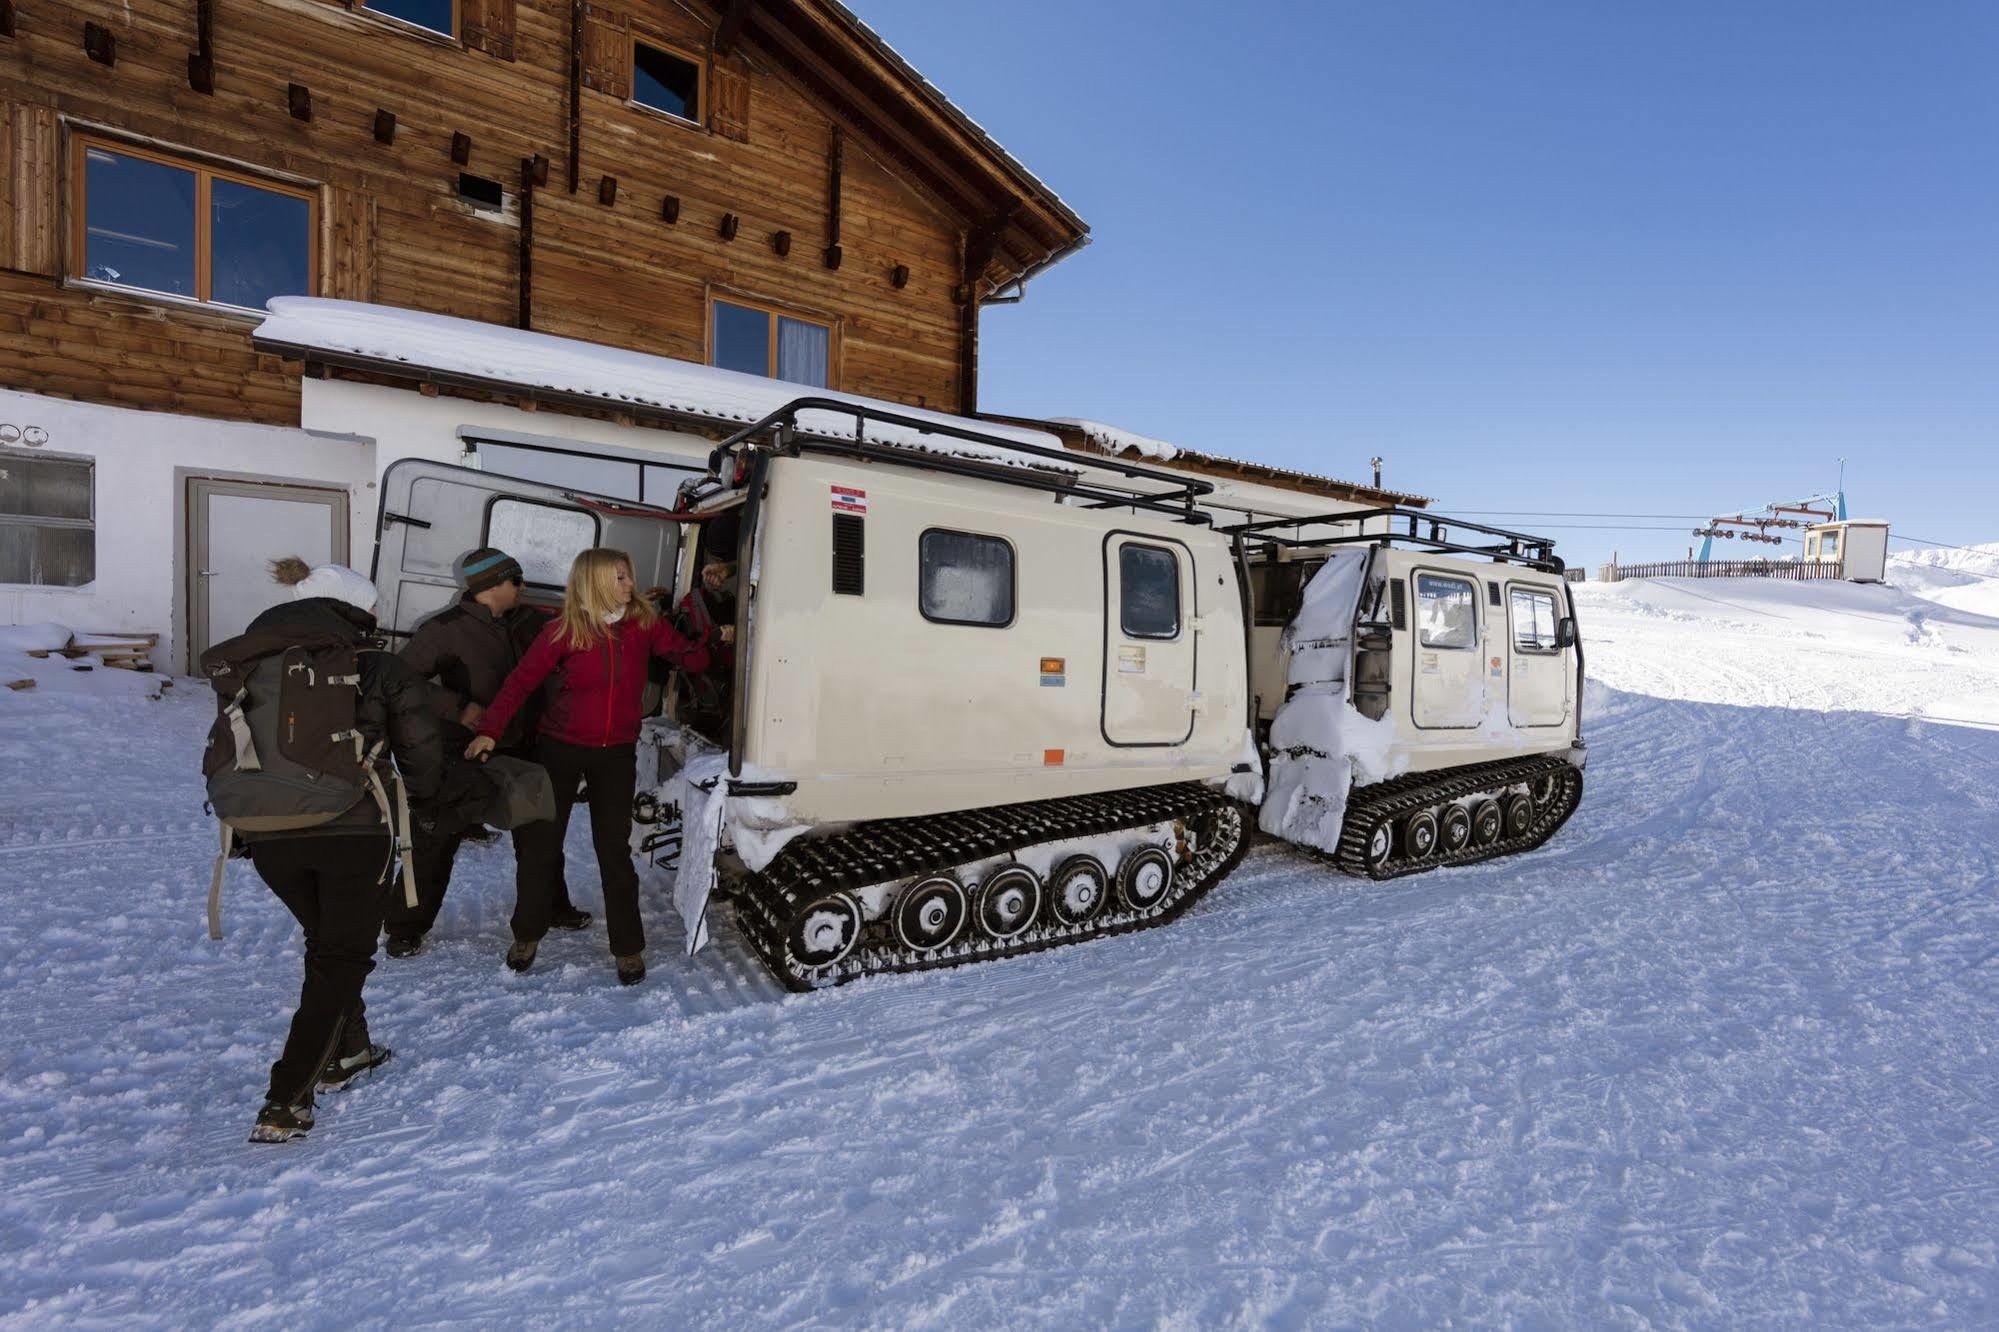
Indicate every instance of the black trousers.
{"type": "Point", "coordinates": [430, 861]}
{"type": "Point", "coordinates": [336, 886]}
{"type": "Point", "coordinates": [611, 773]}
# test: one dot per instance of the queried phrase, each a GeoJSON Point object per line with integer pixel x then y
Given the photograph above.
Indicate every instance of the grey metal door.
{"type": "Point", "coordinates": [234, 530]}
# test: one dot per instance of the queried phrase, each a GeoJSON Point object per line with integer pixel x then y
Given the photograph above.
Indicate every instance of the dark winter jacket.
{"type": "Point", "coordinates": [705, 613]}
{"type": "Point", "coordinates": [469, 652]}
{"type": "Point", "coordinates": [393, 704]}
{"type": "Point", "coordinates": [599, 691]}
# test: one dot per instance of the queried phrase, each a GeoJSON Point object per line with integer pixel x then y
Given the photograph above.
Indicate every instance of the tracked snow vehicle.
{"type": "Point", "coordinates": [988, 698]}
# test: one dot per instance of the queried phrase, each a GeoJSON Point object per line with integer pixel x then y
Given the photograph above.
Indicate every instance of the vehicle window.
{"type": "Point", "coordinates": [544, 538]}
{"type": "Point", "coordinates": [1149, 606]}
{"type": "Point", "coordinates": [964, 578]}
{"type": "Point", "coordinates": [1280, 590]}
{"type": "Point", "coordinates": [1534, 621]}
{"type": "Point", "coordinates": [1446, 612]}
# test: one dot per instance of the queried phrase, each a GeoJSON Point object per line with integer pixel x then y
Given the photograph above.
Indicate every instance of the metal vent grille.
{"type": "Point", "coordinates": [849, 564]}
{"type": "Point", "coordinates": [1492, 593]}
{"type": "Point", "coordinates": [1398, 613]}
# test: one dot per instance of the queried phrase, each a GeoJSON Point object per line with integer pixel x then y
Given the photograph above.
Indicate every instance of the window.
{"type": "Point", "coordinates": [1149, 592]}
{"type": "Point", "coordinates": [1280, 590]}
{"type": "Point", "coordinates": [48, 534]}
{"type": "Point", "coordinates": [545, 538]}
{"type": "Point", "coordinates": [758, 341]}
{"type": "Point", "coordinates": [666, 82]}
{"type": "Point", "coordinates": [154, 224]}
{"type": "Point", "coordinates": [1446, 612]}
{"type": "Point", "coordinates": [1534, 621]}
{"type": "Point", "coordinates": [1829, 546]}
{"type": "Point", "coordinates": [435, 15]}
{"type": "Point", "coordinates": [965, 579]}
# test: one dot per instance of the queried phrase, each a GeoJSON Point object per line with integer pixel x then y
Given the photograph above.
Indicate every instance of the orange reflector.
{"type": "Point", "coordinates": [1052, 665]}
{"type": "Point", "coordinates": [1051, 758]}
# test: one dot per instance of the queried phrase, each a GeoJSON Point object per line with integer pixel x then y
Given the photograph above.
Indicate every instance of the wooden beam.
{"type": "Point", "coordinates": [385, 126]}
{"type": "Point", "coordinates": [201, 60]}
{"type": "Point", "coordinates": [299, 98]}
{"type": "Point", "coordinates": [731, 26]}
{"type": "Point", "coordinates": [575, 93]}
{"type": "Point", "coordinates": [836, 159]}
{"type": "Point", "coordinates": [534, 171]}
{"type": "Point", "coordinates": [962, 195]}
{"type": "Point", "coordinates": [461, 148]}
{"type": "Point", "coordinates": [99, 44]}
{"type": "Point", "coordinates": [6, 18]}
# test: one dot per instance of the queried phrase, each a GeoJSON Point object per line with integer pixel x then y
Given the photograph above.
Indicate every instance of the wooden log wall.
{"type": "Point", "coordinates": [300, 88]}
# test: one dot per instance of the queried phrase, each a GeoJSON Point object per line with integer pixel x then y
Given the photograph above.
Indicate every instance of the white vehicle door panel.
{"type": "Point", "coordinates": [1537, 678]}
{"type": "Point", "coordinates": [1447, 666]}
{"type": "Point", "coordinates": [1150, 652]}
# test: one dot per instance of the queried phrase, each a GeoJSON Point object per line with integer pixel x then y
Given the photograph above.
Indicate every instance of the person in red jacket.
{"type": "Point", "coordinates": [599, 649]}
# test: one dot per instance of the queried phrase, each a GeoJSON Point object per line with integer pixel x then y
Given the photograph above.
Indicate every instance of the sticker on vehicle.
{"type": "Point", "coordinates": [846, 499]}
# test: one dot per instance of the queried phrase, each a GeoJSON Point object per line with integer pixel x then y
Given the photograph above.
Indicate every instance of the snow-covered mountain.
{"type": "Point", "coordinates": [1724, 1052]}
{"type": "Point", "coordinates": [1966, 579]}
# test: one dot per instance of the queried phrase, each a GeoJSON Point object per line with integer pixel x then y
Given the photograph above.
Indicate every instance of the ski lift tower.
{"type": "Point", "coordinates": [1757, 520]}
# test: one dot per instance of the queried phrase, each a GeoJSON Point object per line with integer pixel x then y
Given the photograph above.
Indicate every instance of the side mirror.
{"type": "Point", "coordinates": [1565, 632]}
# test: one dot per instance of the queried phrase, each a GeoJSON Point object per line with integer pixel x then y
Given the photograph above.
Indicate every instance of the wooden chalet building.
{"type": "Point", "coordinates": [722, 200]}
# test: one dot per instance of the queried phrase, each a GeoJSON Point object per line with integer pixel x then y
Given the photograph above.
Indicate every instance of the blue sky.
{"type": "Point", "coordinates": [1616, 257]}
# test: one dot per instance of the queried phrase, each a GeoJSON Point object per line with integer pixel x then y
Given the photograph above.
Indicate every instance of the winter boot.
{"type": "Point", "coordinates": [403, 945]}
{"type": "Point", "coordinates": [348, 1070]}
{"type": "Point", "coordinates": [520, 956]}
{"type": "Point", "coordinates": [567, 917]}
{"type": "Point", "coordinates": [277, 1122]}
{"type": "Point", "coordinates": [631, 970]}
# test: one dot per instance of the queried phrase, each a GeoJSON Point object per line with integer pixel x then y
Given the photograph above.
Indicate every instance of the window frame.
{"type": "Point", "coordinates": [1416, 611]}
{"type": "Point", "coordinates": [1530, 590]}
{"type": "Point", "coordinates": [700, 120]}
{"type": "Point", "coordinates": [1012, 578]}
{"type": "Point", "coordinates": [830, 323]}
{"type": "Point", "coordinates": [410, 25]}
{"type": "Point", "coordinates": [89, 465]}
{"type": "Point", "coordinates": [486, 529]}
{"type": "Point", "coordinates": [1179, 588]}
{"type": "Point", "coordinates": [205, 174]}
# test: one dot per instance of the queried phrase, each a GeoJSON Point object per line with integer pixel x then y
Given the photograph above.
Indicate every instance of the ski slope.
{"type": "Point", "coordinates": [1721, 1054]}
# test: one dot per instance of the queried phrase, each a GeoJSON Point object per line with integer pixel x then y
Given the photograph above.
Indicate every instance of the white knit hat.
{"type": "Point", "coordinates": [327, 580]}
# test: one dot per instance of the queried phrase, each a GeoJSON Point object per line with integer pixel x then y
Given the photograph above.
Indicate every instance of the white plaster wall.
{"type": "Point", "coordinates": [142, 461]}
{"type": "Point", "coordinates": [406, 424]}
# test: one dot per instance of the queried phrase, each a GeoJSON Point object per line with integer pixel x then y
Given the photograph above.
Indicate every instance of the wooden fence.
{"type": "Point", "coordinates": [1797, 570]}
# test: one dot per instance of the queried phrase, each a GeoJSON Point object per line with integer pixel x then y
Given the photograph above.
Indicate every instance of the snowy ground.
{"type": "Point", "coordinates": [1721, 1054]}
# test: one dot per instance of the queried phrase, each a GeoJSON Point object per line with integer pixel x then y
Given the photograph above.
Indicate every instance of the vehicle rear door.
{"type": "Point", "coordinates": [1150, 653]}
{"type": "Point", "coordinates": [434, 514]}
{"type": "Point", "coordinates": [1537, 675]}
{"type": "Point", "coordinates": [1448, 668]}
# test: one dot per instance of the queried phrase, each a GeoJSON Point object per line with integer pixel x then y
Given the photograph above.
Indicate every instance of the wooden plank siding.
{"type": "Point", "coordinates": [392, 228]}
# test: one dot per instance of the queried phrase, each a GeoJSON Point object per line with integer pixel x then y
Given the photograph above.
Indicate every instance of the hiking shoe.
{"type": "Point", "coordinates": [520, 956]}
{"type": "Point", "coordinates": [281, 1123]}
{"type": "Point", "coordinates": [631, 970]}
{"type": "Point", "coordinates": [569, 918]}
{"type": "Point", "coordinates": [403, 945]}
{"type": "Point", "coordinates": [342, 1074]}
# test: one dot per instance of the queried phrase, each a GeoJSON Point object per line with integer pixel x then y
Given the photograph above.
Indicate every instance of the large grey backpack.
{"type": "Point", "coordinates": [284, 753]}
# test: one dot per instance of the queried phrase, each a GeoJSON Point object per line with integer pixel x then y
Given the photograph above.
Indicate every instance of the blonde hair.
{"type": "Point", "coordinates": [593, 593]}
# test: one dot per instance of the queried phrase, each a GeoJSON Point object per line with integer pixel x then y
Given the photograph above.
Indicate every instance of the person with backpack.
{"type": "Point", "coordinates": [467, 651]}
{"type": "Point", "coordinates": [708, 612]}
{"type": "Point", "coordinates": [311, 711]}
{"type": "Point", "coordinates": [598, 650]}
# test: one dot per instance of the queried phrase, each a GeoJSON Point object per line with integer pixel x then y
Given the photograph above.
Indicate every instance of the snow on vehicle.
{"type": "Point", "coordinates": [988, 698]}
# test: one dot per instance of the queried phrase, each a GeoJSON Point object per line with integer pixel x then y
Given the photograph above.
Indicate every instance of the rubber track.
{"type": "Point", "coordinates": [1385, 802]}
{"type": "Point", "coordinates": [892, 849]}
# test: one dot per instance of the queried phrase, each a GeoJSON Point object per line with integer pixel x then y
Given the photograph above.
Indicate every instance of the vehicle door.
{"type": "Point", "coordinates": [1537, 675]}
{"type": "Point", "coordinates": [1449, 671]}
{"type": "Point", "coordinates": [434, 514]}
{"type": "Point", "coordinates": [1150, 656]}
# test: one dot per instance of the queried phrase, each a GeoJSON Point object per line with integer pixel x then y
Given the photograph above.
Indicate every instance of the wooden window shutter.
{"type": "Point", "coordinates": [607, 51]}
{"type": "Point", "coordinates": [729, 94]}
{"type": "Point", "coordinates": [349, 244]}
{"type": "Point", "coordinates": [29, 229]}
{"type": "Point", "coordinates": [488, 25]}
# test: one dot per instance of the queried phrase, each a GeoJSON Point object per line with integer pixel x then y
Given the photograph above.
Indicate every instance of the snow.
{"type": "Point", "coordinates": [1319, 744]}
{"type": "Point", "coordinates": [448, 345]}
{"type": "Point", "coordinates": [1723, 1053]}
{"type": "Point", "coordinates": [1964, 579]}
{"type": "Point", "coordinates": [1118, 441]}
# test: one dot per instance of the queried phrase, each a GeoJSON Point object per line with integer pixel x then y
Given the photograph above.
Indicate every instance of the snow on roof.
{"type": "Point", "coordinates": [513, 357]}
{"type": "Point", "coordinates": [1116, 440]}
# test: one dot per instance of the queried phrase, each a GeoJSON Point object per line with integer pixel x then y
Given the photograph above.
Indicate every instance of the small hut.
{"type": "Point", "coordinates": [1858, 545]}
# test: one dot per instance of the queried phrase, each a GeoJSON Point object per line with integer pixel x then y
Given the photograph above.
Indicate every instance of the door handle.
{"type": "Point", "coordinates": [205, 573]}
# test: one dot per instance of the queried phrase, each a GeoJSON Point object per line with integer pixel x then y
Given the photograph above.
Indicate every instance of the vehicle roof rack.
{"type": "Point", "coordinates": [781, 432]}
{"type": "Point", "coordinates": [1424, 530]}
